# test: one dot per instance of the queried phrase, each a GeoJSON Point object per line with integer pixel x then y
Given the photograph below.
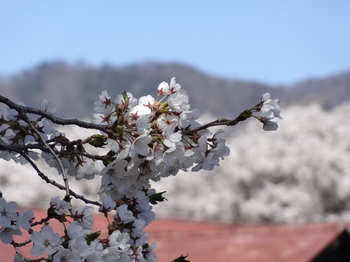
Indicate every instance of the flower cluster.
{"type": "Point", "coordinates": [142, 140]}
{"type": "Point", "coordinates": [150, 143]}
{"type": "Point", "coordinates": [268, 112]}
{"type": "Point", "coordinates": [80, 243]}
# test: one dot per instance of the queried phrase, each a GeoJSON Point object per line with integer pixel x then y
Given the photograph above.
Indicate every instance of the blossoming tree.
{"type": "Point", "coordinates": [299, 174]}
{"type": "Point", "coordinates": [142, 140]}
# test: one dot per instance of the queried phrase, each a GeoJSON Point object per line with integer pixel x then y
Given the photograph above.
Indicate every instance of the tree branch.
{"type": "Point", "coordinates": [220, 122]}
{"type": "Point", "coordinates": [54, 119]}
{"type": "Point", "coordinates": [17, 147]}
{"type": "Point", "coordinates": [54, 183]}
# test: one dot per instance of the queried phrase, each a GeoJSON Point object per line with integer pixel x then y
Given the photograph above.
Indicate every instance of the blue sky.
{"type": "Point", "coordinates": [275, 42]}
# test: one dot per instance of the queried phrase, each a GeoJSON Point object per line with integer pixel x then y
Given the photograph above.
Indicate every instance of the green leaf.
{"type": "Point", "coordinates": [98, 140]}
{"type": "Point", "coordinates": [91, 237]}
{"type": "Point", "coordinates": [182, 258]}
{"type": "Point", "coordinates": [126, 97]}
{"type": "Point", "coordinates": [52, 214]}
{"type": "Point", "coordinates": [67, 198]}
{"type": "Point", "coordinates": [155, 198]}
{"type": "Point", "coordinates": [109, 158]}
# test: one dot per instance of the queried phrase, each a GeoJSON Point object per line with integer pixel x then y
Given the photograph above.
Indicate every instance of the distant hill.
{"type": "Point", "coordinates": [75, 88]}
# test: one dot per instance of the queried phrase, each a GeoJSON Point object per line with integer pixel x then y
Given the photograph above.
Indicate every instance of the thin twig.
{"type": "Point", "coordinates": [220, 122]}
{"type": "Point", "coordinates": [40, 222]}
{"type": "Point", "coordinates": [54, 183]}
{"type": "Point", "coordinates": [15, 244]}
{"type": "Point", "coordinates": [58, 160]}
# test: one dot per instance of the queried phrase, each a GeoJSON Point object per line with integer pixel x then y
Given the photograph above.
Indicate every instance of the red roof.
{"type": "Point", "coordinates": [207, 242]}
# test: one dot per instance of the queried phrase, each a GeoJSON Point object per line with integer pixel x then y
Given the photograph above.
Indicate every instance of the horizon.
{"type": "Point", "coordinates": [81, 63]}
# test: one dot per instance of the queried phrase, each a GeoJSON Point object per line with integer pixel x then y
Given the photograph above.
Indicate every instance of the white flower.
{"type": "Point", "coordinates": [165, 89]}
{"type": "Point", "coordinates": [24, 218]}
{"type": "Point", "coordinates": [84, 216]}
{"type": "Point", "coordinates": [139, 254]}
{"type": "Point", "coordinates": [107, 203]}
{"type": "Point", "coordinates": [92, 257]}
{"type": "Point", "coordinates": [94, 252]}
{"type": "Point", "coordinates": [66, 255]}
{"type": "Point", "coordinates": [119, 240]}
{"type": "Point", "coordinates": [179, 101]}
{"type": "Point", "coordinates": [174, 87]}
{"type": "Point", "coordinates": [149, 254]}
{"type": "Point", "coordinates": [268, 112]}
{"type": "Point", "coordinates": [7, 155]}
{"type": "Point", "coordinates": [137, 232]}
{"type": "Point", "coordinates": [140, 145]}
{"type": "Point", "coordinates": [75, 230]}
{"type": "Point", "coordinates": [121, 101]}
{"type": "Point", "coordinates": [87, 169]}
{"type": "Point", "coordinates": [79, 246]}
{"type": "Point", "coordinates": [146, 214]}
{"type": "Point", "coordinates": [111, 254]}
{"type": "Point", "coordinates": [217, 150]}
{"type": "Point", "coordinates": [142, 110]}
{"type": "Point", "coordinates": [6, 134]}
{"type": "Point", "coordinates": [172, 139]}
{"type": "Point", "coordinates": [61, 206]}
{"type": "Point", "coordinates": [18, 258]}
{"type": "Point", "coordinates": [139, 110]}
{"type": "Point", "coordinates": [270, 124]}
{"type": "Point", "coordinates": [7, 212]}
{"type": "Point", "coordinates": [7, 232]}
{"type": "Point", "coordinates": [202, 141]}
{"type": "Point", "coordinates": [270, 106]}
{"type": "Point", "coordinates": [114, 172]}
{"type": "Point", "coordinates": [12, 114]}
{"type": "Point", "coordinates": [124, 214]}
{"type": "Point", "coordinates": [187, 158]}
{"type": "Point", "coordinates": [142, 125]}
{"type": "Point", "coordinates": [104, 105]}
{"type": "Point", "coordinates": [45, 241]}
{"type": "Point", "coordinates": [172, 154]}
{"type": "Point", "coordinates": [147, 101]}
{"type": "Point", "coordinates": [48, 128]}
{"type": "Point", "coordinates": [188, 117]}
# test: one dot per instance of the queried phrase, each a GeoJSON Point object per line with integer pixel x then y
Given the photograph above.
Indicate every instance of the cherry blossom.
{"type": "Point", "coordinates": [84, 215]}
{"type": "Point", "coordinates": [18, 258]}
{"type": "Point", "coordinates": [268, 112]}
{"type": "Point", "coordinates": [7, 232]}
{"type": "Point", "coordinates": [45, 241]}
{"type": "Point", "coordinates": [66, 255]}
{"type": "Point", "coordinates": [7, 212]}
{"type": "Point", "coordinates": [24, 219]}
{"type": "Point", "coordinates": [60, 206]}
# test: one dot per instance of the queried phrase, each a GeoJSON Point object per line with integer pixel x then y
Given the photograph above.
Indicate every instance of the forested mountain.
{"type": "Point", "coordinates": [75, 88]}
